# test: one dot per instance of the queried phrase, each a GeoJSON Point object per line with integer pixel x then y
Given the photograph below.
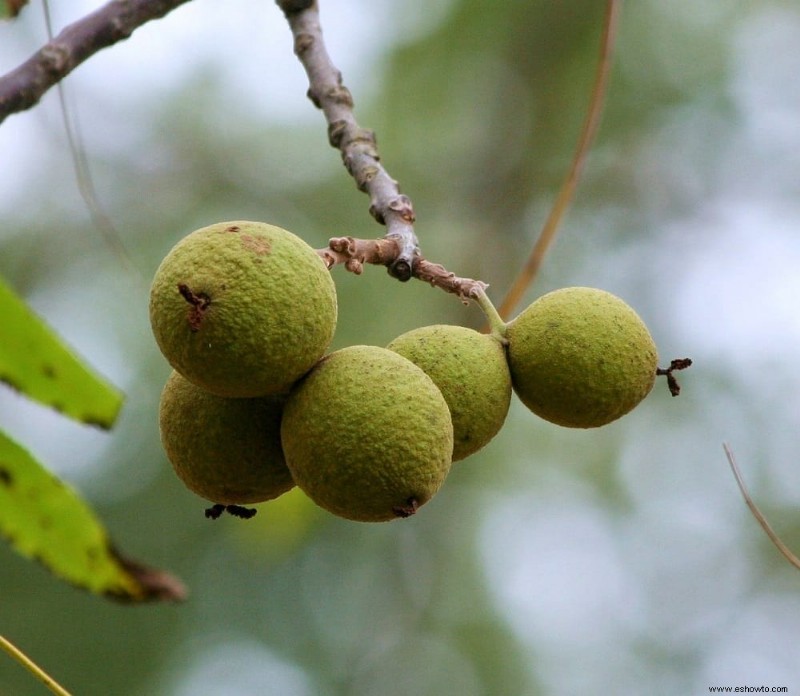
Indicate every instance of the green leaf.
{"type": "Point", "coordinates": [45, 519]}
{"type": "Point", "coordinates": [35, 361]}
{"type": "Point", "coordinates": [11, 8]}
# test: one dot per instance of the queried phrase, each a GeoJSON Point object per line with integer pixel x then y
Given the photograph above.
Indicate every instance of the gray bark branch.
{"type": "Point", "coordinates": [24, 86]}
{"type": "Point", "coordinates": [356, 144]}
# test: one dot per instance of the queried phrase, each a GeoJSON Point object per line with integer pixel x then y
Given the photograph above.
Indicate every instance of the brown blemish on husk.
{"type": "Point", "coordinates": [198, 305]}
{"type": "Point", "coordinates": [258, 245]}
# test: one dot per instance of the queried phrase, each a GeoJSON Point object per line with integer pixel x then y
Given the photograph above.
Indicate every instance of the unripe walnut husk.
{"type": "Point", "coordinates": [225, 450]}
{"type": "Point", "coordinates": [581, 357]}
{"type": "Point", "coordinates": [242, 309]}
{"type": "Point", "coordinates": [471, 371]}
{"type": "Point", "coordinates": [367, 435]}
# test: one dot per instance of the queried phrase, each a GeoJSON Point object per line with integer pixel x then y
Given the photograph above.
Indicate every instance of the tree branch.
{"type": "Point", "coordinates": [357, 145]}
{"type": "Point", "coordinates": [354, 253]}
{"type": "Point", "coordinates": [24, 86]}
{"type": "Point", "coordinates": [399, 249]}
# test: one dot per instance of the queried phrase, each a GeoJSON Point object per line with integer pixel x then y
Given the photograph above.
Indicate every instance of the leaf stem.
{"type": "Point", "coordinates": [32, 667]}
{"type": "Point", "coordinates": [496, 324]}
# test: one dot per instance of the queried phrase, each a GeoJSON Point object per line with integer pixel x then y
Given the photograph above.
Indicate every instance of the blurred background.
{"type": "Point", "coordinates": [557, 562]}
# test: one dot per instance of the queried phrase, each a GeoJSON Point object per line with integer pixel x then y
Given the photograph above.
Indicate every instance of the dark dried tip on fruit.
{"type": "Point", "coordinates": [411, 506]}
{"type": "Point", "coordinates": [198, 305]}
{"type": "Point", "coordinates": [672, 383]}
{"type": "Point", "coordinates": [400, 269]}
{"type": "Point", "coordinates": [242, 513]}
{"type": "Point", "coordinates": [215, 511]}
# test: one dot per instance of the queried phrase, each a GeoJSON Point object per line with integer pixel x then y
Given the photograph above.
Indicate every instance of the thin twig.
{"type": "Point", "coordinates": [399, 249]}
{"type": "Point", "coordinates": [357, 145]}
{"type": "Point", "coordinates": [773, 537]}
{"type": "Point", "coordinates": [24, 86]}
{"type": "Point", "coordinates": [32, 667]}
{"type": "Point", "coordinates": [588, 132]}
{"type": "Point", "coordinates": [354, 253]}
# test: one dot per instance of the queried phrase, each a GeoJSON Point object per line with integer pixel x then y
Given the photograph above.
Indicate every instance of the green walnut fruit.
{"type": "Point", "coordinates": [471, 371]}
{"type": "Point", "coordinates": [581, 357]}
{"type": "Point", "coordinates": [367, 435]}
{"type": "Point", "coordinates": [228, 451]}
{"type": "Point", "coordinates": [242, 309]}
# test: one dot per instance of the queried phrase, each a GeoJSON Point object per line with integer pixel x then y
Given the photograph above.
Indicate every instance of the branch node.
{"type": "Point", "coordinates": [312, 95]}
{"type": "Point", "coordinates": [354, 266]}
{"type": "Point", "coordinates": [340, 95]}
{"type": "Point", "coordinates": [363, 177]}
{"type": "Point", "coordinates": [55, 59]}
{"type": "Point", "coordinates": [401, 269]}
{"type": "Point", "coordinates": [403, 207]}
{"type": "Point", "coordinates": [302, 42]}
{"type": "Point", "coordinates": [343, 245]}
{"type": "Point", "coordinates": [336, 129]}
{"type": "Point", "coordinates": [377, 214]}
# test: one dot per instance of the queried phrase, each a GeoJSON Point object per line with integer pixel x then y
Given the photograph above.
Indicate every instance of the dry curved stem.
{"type": "Point", "coordinates": [773, 537]}
{"type": "Point", "coordinates": [357, 145]}
{"type": "Point", "coordinates": [353, 253]}
{"type": "Point", "coordinates": [439, 277]}
{"type": "Point", "coordinates": [567, 191]}
{"type": "Point", "coordinates": [32, 667]}
{"type": "Point", "coordinates": [24, 86]}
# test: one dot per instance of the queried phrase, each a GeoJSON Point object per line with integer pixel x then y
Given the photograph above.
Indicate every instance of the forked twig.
{"type": "Point", "coordinates": [567, 191]}
{"type": "Point", "coordinates": [356, 144]}
{"type": "Point", "coordinates": [399, 249]}
{"type": "Point", "coordinates": [354, 253]}
{"type": "Point", "coordinates": [773, 537]}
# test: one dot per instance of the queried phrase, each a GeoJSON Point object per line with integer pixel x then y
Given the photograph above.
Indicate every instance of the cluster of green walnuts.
{"type": "Point", "coordinates": [244, 312]}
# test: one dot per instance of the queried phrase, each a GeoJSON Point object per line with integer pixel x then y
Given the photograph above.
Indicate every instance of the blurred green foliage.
{"type": "Point", "coordinates": [620, 560]}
